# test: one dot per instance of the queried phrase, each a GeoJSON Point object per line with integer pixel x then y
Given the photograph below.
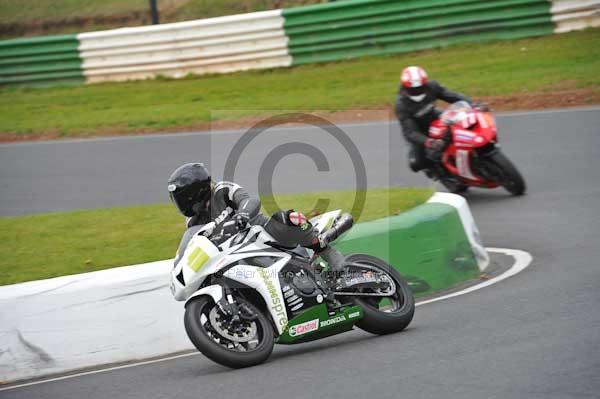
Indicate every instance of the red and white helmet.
{"type": "Point", "coordinates": [413, 80]}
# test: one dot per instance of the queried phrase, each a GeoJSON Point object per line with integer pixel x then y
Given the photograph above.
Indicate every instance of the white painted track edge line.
{"type": "Point", "coordinates": [102, 370]}
{"type": "Point", "coordinates": [522, 261]}
{"type": "Point", "coordinates": [549, 111]}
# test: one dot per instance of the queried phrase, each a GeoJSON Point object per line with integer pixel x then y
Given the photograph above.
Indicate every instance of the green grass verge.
{"type": "Point", "coordinates": [547, 64]}
{"type": "Point", "coordinates": [23, 11]}
{"type": "Point", "coordinates": [197, 9]}
{"type": "Point", "coordinates": [56, 244]}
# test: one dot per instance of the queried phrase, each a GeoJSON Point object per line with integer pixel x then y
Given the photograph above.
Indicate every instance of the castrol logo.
{"type": "Point", "coordinates": [303, 328]}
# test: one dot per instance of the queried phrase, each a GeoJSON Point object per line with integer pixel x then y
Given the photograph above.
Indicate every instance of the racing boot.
{"type": "Point", "coordinates": [330, 277]}
{"type": "Point", "coordinates": [432, 174]}
{"type": "Point", "coordinates": [435, 171]}
{"type": "Point", "coordinates": [334, 258]}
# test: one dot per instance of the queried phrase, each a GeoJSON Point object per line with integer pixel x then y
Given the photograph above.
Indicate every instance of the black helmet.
{"type": "Point", "coordinates": [190, 188]}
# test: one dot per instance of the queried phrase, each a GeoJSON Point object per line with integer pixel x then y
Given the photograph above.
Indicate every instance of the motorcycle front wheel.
{"type": "Point", "coordinates": [510, 177]}
{"type": "Point", "coordinates": [235, 344]}
{"type": "Point", "coordinates": [379, 317]}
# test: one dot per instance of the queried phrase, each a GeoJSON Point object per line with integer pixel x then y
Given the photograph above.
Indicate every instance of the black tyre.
{"type": "Point", "coordinates": [396, 317]}
{"type": "Point", "coordinates": [509, 175]}
{"type": "Point", "coordinates": [222, 345]}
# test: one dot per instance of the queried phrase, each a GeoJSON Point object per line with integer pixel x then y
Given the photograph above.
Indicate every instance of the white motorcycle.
{"type": "Point", "coordinates": [244, 292]}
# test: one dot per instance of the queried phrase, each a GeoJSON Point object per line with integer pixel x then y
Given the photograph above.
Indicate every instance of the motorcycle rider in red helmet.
{"type": "Point", "coordinates": [415, 110]}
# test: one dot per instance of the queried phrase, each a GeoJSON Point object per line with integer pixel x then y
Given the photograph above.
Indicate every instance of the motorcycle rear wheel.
{"type": "Point", "coordinates": [378, 320]}
{"type": "Point", "coordinates": [219, 347]}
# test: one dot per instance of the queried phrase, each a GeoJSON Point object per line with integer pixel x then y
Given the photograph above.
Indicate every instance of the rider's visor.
{"type": "Point", "coordinates": [415, 91]}
{"type": "Point", "coordinates": [183, 201]}
{"type": "Point", "coordinates": [191, 199]}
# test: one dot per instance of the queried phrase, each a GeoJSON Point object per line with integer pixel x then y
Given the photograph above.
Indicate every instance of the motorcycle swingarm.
{"type": "Point", "coordinates": [360, 282]}
{"type": "Point", "coordinates": [383, 294]}
{"type": "Point", "coordinates": [362, 266]}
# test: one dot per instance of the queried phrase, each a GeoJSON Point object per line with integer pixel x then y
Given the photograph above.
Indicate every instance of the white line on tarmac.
{"type": "Point", "coordinates": [125, 366]}
{"type": "Point", "coordinates": [549, 111]}
{"type": "Point", "coordinates": [522, 260]}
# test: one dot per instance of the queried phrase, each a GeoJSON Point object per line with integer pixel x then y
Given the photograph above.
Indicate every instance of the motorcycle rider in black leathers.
{"type": "Point", "coordinates": [415, 109]}
{"type": "Point", "coordinates": [208, 207]}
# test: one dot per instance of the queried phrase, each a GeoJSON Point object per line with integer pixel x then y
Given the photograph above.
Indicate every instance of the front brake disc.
{"type": "Point", "coordinates": [244, 331]}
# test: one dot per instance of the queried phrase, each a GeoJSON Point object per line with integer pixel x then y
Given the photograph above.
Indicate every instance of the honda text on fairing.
{"type": "Point", "coordinates": [473, 156]}
{"type": "Point", "coordinates": [244, 292]}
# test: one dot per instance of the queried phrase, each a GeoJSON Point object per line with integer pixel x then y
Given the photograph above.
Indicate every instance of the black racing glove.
{"type": "Point", "coordinates": [483, 107]}
{"type": "Point", "coordinates": [435, 144]}
{"type": "Point", "coordinates": [241, 219]}
{"type": "Point", "coordinates": [434, 148]}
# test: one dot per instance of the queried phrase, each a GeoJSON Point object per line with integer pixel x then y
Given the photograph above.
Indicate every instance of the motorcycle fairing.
{"type": "Point", "coordinates": [470, 129]}
{"type": "Point", "coordinates": [266, 282]}
{"type": "Point", "coordinates": [202, 258]}
{"type": "Point", "coordinates": [316, 323]}
{"type": "Point", "coordinates": [323, 222]}
{"type": "Point", "coordinates": [463, 165]}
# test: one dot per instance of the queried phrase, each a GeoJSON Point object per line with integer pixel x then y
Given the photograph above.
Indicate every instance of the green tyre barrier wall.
{"type": "Point", "coordinates": [435, 246]}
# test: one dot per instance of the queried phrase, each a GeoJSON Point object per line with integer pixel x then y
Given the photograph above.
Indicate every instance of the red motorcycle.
{"type": "Point", "coordinates": [472, 156]}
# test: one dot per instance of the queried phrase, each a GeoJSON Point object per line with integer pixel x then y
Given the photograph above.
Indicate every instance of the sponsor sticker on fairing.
{"type": "Point", "coordinates": [276, 304]}
{"type": "Point", "coordinates": [335, 320]}
{"type": "Point", "coordinates": [303, 328]}
{"type": "Point", "coordinates": [353, 315]}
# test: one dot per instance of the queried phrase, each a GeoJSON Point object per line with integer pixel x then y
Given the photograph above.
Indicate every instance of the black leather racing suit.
{"type": "Point", "coordinates": [226, 200]}
{"type": "Point", "coordinates": [415, 118]}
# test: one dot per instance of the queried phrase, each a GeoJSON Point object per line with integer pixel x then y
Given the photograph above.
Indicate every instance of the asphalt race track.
{"type": "Point", "coordinates": [536, 335]}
